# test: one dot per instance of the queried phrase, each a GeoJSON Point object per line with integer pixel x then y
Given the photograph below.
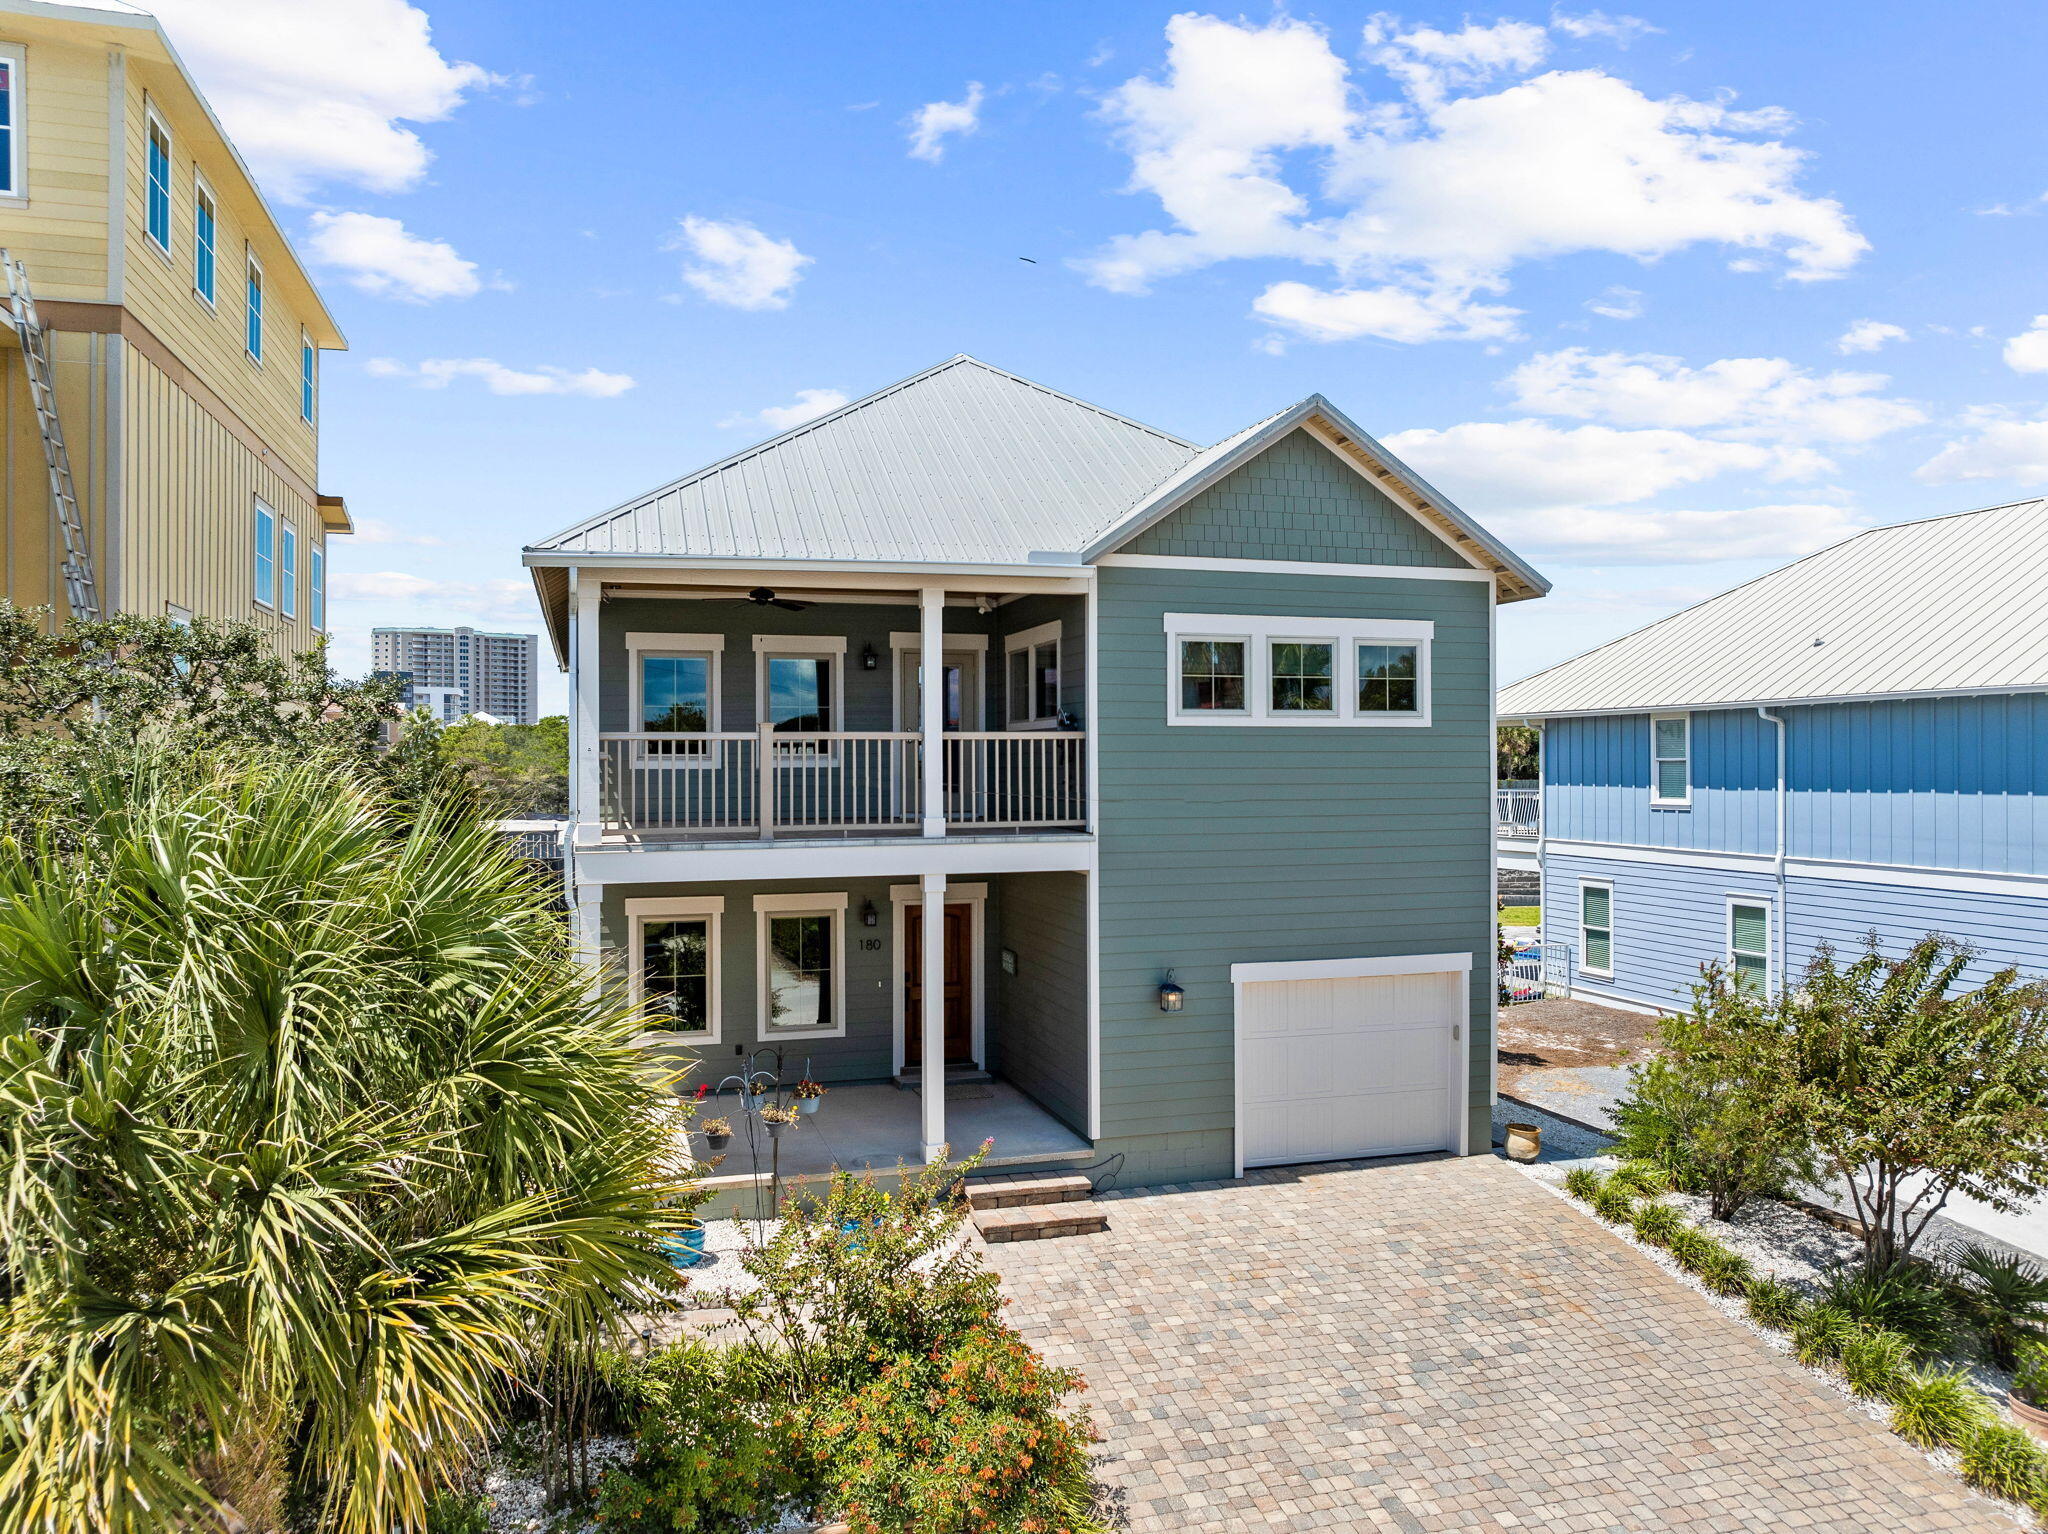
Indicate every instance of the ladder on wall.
{"type": "Point", "coordinates": [80, 589]}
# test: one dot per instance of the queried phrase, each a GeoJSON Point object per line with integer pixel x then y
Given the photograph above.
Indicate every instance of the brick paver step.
{"type": "Point", "coordinates": [1002, 1191]}
{"type": "Point", "coordinates": [1039, 1222]}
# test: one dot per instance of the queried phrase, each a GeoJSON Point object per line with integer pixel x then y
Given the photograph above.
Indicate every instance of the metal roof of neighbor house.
{"type": "Point", "coordinates": [1952, 604]}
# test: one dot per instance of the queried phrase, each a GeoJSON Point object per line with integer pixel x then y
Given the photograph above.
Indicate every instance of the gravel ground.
{"type": "Point", "coordinates": [715, 1280]}
{"type": "Point", "coordinates": [1563, 1140]}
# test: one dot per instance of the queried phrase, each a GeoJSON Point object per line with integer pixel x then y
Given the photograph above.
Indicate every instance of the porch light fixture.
{"type": "Point", "coordinates": [868, 661]}
{"type": "Point", "coordinates": [869, 916]}
{"type": "Point", "coordinates": [1170, 995]}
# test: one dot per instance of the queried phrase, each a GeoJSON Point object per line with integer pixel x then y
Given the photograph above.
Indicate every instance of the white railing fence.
{"type": "Point", "coordinates": [1518, 811]}
{"type": "Point", "coordinates": [770, 782]}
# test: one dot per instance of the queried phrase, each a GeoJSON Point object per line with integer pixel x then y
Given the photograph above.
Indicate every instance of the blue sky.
{"type": "Point", "coordinates": [1666, 297]}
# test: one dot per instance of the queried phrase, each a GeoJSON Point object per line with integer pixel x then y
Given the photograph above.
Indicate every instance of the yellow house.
{"type": "Point", "coordinates": [183, 337]}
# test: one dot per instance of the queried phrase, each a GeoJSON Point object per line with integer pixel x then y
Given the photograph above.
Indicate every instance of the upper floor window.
{"type": "Point", "coordinates": [1671, 759]}
{"type": "Point", "coordinates": [1227, 669]}
{"type": "Point", "coordinates": [674, 690]}
{"type": "Point", "coordinates": [1032, 682]}
{"type": "Point", "coordinates": [11, 182]}
{"type": "Point", "coordinates": [288, 571]}
{"type": "Point", "coordinates": [316, 588]}
{"type": "Point", "coordinates": [266, 555]}
{"type": "Point", "coordinates": [252, 324]}
{"type": "Point", "coordinates": [306, 366]}
{"type": "Point", "coordinates": [205, 241]}
{"type": "Point", "coordinates": [798, 683]}
{"type": "Point", "coordinates": [157, 190]}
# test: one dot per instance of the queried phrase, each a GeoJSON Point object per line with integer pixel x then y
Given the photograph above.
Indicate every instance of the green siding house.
{"type": "Point", "coordinates": [1190, 845]}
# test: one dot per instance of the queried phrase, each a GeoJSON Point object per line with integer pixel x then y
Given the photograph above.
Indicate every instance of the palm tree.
{"type": "Point", "coordinates": [315, 1139]}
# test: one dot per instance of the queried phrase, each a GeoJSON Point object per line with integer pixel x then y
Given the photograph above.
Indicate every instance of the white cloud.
{"type": "Point", "coordinates": [439, 372]}
{"type": "Point", "coordinates": [1746, 398]}
{"type": "Point", "coordinates": [1619, 30]}
{"type": "Point", "coordinates": [930, 123]}
{"type": "Point", "coordinates": [381, 257]}
{"type": "Point", "coordinates": [735, 264]}
{"type": "Point", "coordinates": [2027, 352]}
{"type": "Point", "coordinates": [2000, 446]}
{"type": "Point", "coordinates": [1655, 536]}
{"type": "Point", "coordinates": [1618, 304]}
{"type": "Point", "coordinates": [1867, 336]}
{"type": "Point", "coordinates": [808, 405]}
{"type": "Point", "coordinates": [401, 594]}
{"type": "Point", "coordinates": [1256, 147]}
{"type": "Point", "coordinates": [1390, 313]}
{"type": "Point", "coordinates": [376, 530]}
{"type": "Point", "coordinates": [321, 93]}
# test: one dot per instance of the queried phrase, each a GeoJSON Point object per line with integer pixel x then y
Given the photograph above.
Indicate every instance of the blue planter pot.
{"type": "Point", "coordinates": [685, 1248]}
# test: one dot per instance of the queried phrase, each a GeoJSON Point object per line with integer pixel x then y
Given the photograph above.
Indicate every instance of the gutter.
{"type": "Point", "coordinates": [1778, 861]}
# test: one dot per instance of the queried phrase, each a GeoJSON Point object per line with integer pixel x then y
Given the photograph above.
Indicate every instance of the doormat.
{"type": "Point", "coordinates": [968, 1094]}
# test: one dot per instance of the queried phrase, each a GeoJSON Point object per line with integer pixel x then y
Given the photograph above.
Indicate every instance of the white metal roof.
{"type": "Point", "coordinates": [1952, 604]}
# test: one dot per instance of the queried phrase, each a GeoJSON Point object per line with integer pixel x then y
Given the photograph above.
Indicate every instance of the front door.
{"type": "Point", "coordinates": [959, 997]}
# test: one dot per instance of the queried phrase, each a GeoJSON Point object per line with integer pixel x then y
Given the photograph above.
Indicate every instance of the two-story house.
{"type": "Point", "coordinates": [1856, 743]}
{"type": "Point", "coordinates": [1182, 852]}
{"type": "Point", "coordinates": [181, 336]}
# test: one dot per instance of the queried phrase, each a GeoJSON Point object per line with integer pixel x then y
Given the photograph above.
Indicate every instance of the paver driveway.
{"type": "Point", "coordinates": [1440, 1345]}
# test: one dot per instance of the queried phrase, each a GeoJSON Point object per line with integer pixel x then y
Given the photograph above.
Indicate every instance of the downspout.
{"type": "Point", "coordinates": [1784, 958]}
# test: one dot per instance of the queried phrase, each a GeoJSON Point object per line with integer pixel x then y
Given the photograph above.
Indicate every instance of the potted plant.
{"type": "Point", "coordinates": [684, 1247]}
{"type": "Point", "coordinates": [717, 1133]}
{"type": "Point", "coordinates": [807, 1094]}
{"type": "Point", "coordinates": [2027, 1399]}
{"type": "Point", "coordinates": [777, 1119]}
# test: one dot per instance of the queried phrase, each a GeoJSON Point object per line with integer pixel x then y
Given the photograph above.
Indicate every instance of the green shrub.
{"type": "Point", "coordinates": [1693, 1248]}
{"type": "Point", "coordinates": [1907, 1299]}
{"type": "Point", "coordinates": [1642, 1177]}
{"type": "Point", "coordinates": [459, 1512]}
{"type": "Point", "coordinates": [1937, 1409]}
{"type": "Point", "coordinates": [2003, 1460]}
{"type": "Point", "coordinates": [1820, 1334]}
{"type": "Point", "coordinates": [2003, 1297]}
{"type": "Point", "coordinates": [1582, 1182]}
{"type": "Point", "coordinates": [1656, 1223]}
{"type": "Point", "coordinates": [1774, 1304]}
{"type": "Point", "coordinates": [1726, 1272]}
{"type": "Point", "coordinates": [1612, 1202]}
{"type": "Point", "coordinates": [1877, 1363]}
{"type": "Point", "coordinates": [2030, 1374]}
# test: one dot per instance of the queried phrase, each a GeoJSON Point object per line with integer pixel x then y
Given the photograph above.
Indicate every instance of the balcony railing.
{"type": "Point", "coordinates": [771, 783]}
{"type": "Point", "coordinates": [1518, 811]}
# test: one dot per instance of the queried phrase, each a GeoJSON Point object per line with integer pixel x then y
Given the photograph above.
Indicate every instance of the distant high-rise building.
{"type": "Point", "coordinates": [496, 674]}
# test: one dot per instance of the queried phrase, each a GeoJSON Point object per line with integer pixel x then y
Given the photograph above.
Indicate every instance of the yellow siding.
{"type": "Point", "coordinates": [31, 552]}
{"type": "Point", "coordinates": [187, 532]}
{"type": "Point", "coordinates": [61, 231]}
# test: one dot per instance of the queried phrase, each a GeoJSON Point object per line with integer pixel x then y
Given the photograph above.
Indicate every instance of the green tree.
{"type": "Point", "coordinates": [518, 769]}
{"type": "Point", "coordinates": [313, 1141]}
{"type": "Point", "coordinates": [1709, 1107]}
{"type": "Point", "coordinates": [1911, 1090]}
{"type": "Point", "coordinates": [1517, 753]}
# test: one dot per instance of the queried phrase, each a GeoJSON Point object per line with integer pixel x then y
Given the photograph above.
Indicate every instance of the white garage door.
{"type": "Point", "coordinates": [1330, 1069]}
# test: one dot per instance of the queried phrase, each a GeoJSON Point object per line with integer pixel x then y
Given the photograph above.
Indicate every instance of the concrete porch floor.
{"type": "Point", "coordinates": [874, 1128]}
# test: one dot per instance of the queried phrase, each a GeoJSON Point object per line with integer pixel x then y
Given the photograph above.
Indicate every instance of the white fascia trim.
{"type": "Point", "coordinates": [647, 641]}
{"type": "Point", "coordinates": [1895, 875]}
{"type": "Point", "coordinates": [1808, 700]}
{"type": "Point", "coordinates": [829, 901]}
{"type": "Point", "coordinates": [913, 894]}
{"type": "Point", "coordinates": [677, 905]}
{"type": "Point", "coordinates": [1024, 639]}
{"type": "Point", "coordinates": [1194, 562]}
{"type": "Point", "coordinates": [1043, 576]}
{"type": "Point", "coordinates": [799, 644]}
{"type": "Point", "coordinates": [1675, 857]}
{"type": "Point", "coordinates": [909, 639]}
{"type": "Point", "coordinates": [1351, 969]}
{"type": "Point", "coordinates": [900, 858]}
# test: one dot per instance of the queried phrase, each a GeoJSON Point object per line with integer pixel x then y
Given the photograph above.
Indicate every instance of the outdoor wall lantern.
{"type": "Point", "coordinates": [869, 916]}
{"type": "Point", "coordinates": [1170, 994]}
{"type": "Point", "coordinates": [868, 659]}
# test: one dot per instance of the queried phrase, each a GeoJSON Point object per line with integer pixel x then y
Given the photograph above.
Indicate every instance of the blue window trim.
{"type": "Point", "coordinates": [306, 363]}
{"type": "Point", "coordinates": [205, 242]}
{"type": "Point", "coordinates": [10, 128]}
{"type": "Point", "coordinates": [288, 571]}
{"type": "Point", "coordinates": [316, 588]}
{"type": "Point", "coordinates": [252, 320]}
{"type": "Point", "coordinates": [266, 556]}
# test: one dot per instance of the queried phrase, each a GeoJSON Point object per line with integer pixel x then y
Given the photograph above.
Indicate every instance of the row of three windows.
{"type": "Point", "coordinates": [1748, 934]}
{"type": "Point", "coordinates": [277, 570]}
{"type": "Point", "coordinates": [1287, 670]}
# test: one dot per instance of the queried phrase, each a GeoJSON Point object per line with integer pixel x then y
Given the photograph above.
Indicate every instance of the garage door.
{"type": "Point", "coordinates": [1342, 1067]}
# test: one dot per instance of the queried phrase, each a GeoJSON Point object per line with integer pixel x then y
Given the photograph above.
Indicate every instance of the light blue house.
{"type": "Point", "coordinates": [1855, 743]}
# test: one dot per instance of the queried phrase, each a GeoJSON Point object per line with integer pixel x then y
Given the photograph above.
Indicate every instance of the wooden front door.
{"type": "Point", "coordinates": [959, 997]}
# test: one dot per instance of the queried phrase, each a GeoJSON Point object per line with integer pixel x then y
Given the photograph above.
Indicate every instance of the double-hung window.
{"type": "Point", "coordinates": [1596, 928]}
{"type": "Point", "coordinates": [157, 185]}
{"type": "Point", "coordinates": [1671, 759]}
{"type": "Point", "coordinates": [675, 964]}
{"type": "Point", "coordinates": [316, 588]}
{"type": "Point", "coordinates": [798, 681]}
{"type": "Point", "coordinates": [288, 571]}
{"type": "Point", "coordinates": [205, 240]}
{"type": "Point", "coordinates": [252, 318]}
{"type": "Point", "coordinates": [11, 179]}
{"type": "Point", "coordinates": [266, 555]}
{"type": "Point", "coordinates": [1031, 678]}
{"type": "Point", "coordinates": [802, 946]}
{"type": "Point", "coordinates": [1749, 944]}
{"type": "Point", "coordinates": [307, 363]}
{"type": "Point", "coordinates": [674, 692]}
{"type": "Point", "coordinates": [1235, 669]}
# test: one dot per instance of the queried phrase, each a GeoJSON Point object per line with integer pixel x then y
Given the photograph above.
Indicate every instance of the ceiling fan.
{"type": "Point", "coordinates": [761, 596]}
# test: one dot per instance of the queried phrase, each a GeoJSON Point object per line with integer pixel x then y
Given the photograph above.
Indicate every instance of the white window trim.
{"type": "Point", "coordinates": [832, 905]}
{"type": "Point", "coordinates": [152, 118]}
{"type": "Point", "coordinates": [309, 379]}
{"type": "Point", "coordinates": [1260, 633]}
{"type": "Point", "coordinates": [287, 570]}
{"type": "Point", "coordinates": [1580, 917]}
{"type": "Point", "coordinates": [640, 644]}
{"type": "Point", "coordinates": [316, 587]}
{"type": "Point", "coordinates": [1656, 799]}
{"type": "Point", "coordinates": [256, 523]}
{"type": "Point", "coordinates": [201, 188]}
{"type": "Point", "coordinates": [1768, 905]}
{"type": "Point", "coordinates": [709, 908]}
{"type": "Point", "coordinates": [974, 646]}
{"type": "Point", "coordinates": [15, 57]}
{"type": "Point", "coordinates": [903, 898]}
{"type": "Point", "coordinates": [830, 647]}
{"type": "Point", "coordinates": [1051, 633]}
{"type": "Point", "coordinates": [251, 264]}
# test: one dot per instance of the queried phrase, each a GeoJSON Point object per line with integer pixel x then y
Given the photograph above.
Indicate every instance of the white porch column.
{"type": "Point", "coordinates": [931, 649]}
{"type": "Point", "coordinates": [931, 1074]}
{"type": "Point", "coordinates": [586, 807]}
